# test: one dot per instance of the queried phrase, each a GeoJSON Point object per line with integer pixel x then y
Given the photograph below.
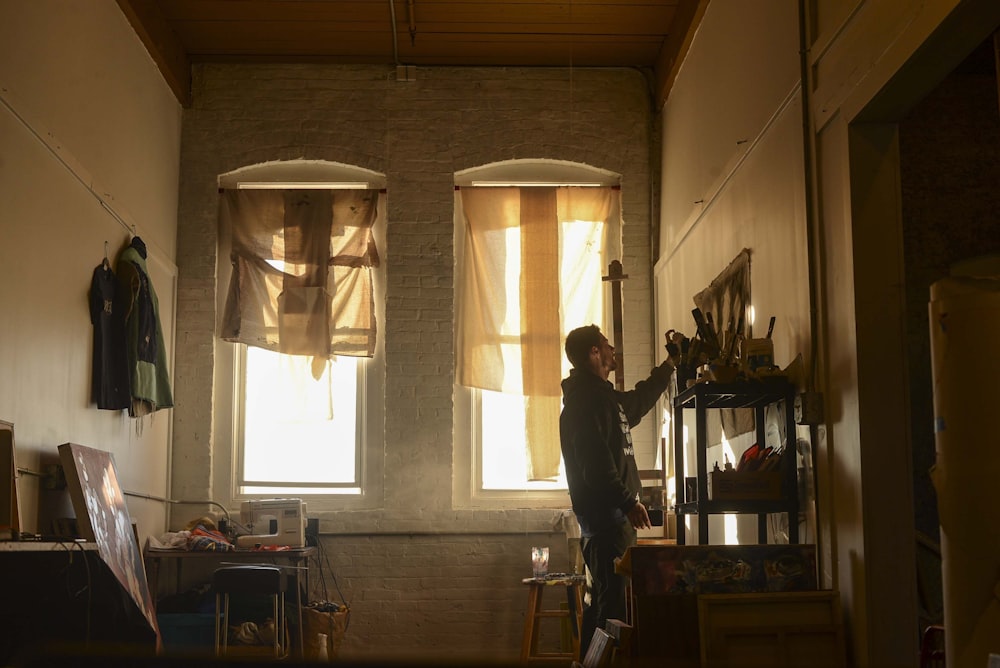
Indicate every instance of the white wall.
{"type": "Point", "coordinates": [733, 179]}
{"type": "Point", "coordinates": [82, 108]}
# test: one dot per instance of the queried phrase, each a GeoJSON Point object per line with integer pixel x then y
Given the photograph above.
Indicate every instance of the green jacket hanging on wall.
{"type": "Point", "coordinates": [147, 357]}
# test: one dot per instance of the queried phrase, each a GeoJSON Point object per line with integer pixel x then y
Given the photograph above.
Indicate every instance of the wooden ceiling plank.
{"type": "Point", "coordinates": [541, 13]}
{"type": "Point", "coordinates": [202, 37]}
{"type": "Point", "coordinates": [627, 16]}
{"type": "Point", "coordinates": [495, 6]}
{"type": "Point", "coordinates": [345, 44]}
{"type": "Point", "coordinates": [629, 33]}
{"type": "Point", "coordinates": [270, 10]}
{"type": "Point", "coordinates": [499, 39]}
{"type": "Point", "coordinates": [162, 45]}
{"type": "Point", "coordinates": [546, 55]}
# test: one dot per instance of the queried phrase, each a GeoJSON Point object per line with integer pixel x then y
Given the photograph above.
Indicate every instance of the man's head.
{"type": "Point", "coordinates": [588, 348]}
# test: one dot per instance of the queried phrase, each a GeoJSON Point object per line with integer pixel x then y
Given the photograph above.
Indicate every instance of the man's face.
{"type": "Point", "coordinates": [604, 360]}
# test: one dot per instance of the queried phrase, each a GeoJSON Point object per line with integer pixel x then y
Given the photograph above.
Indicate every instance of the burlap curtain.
{"type": "Point", "coordinates": [302, 260]}
{"type": "Point", "coordinates": [524, 281]}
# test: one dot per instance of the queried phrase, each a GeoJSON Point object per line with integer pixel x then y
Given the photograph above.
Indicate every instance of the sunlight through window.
{"type": "Point", "coordinates": [300, 422]}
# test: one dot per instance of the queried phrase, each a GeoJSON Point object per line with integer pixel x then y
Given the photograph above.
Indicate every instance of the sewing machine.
{"type": "Point", "coordinates": [273, 522]}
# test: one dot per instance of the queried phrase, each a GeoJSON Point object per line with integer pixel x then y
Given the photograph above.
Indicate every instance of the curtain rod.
{"type": "Point", "coordinates": [301, 186]}
{"type": "Point", "coordinates": [506, 184]}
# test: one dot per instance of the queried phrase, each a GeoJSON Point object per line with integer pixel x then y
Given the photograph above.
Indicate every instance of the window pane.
{"type": "Point", "coordinates": [580, 272]}
{"type": "Point", "coordinates": [504, 458]}
{"type": "Point", "coordinates": [300, 422]}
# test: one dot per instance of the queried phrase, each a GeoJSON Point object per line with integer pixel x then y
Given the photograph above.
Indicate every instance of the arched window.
{"type": "Point", "coordinates": [533, 240]}
{"type": "Point", "coordinates": [299, 245]}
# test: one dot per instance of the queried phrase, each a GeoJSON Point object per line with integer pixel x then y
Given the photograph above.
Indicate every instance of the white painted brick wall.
{"type": "Point", "coordinates": [422, 577]}
{"type": "Point", "coordinates": [441, 595]}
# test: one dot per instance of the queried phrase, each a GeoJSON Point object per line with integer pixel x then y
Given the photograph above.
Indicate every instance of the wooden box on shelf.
{"type": "Point", "coordinates": [744, 485]}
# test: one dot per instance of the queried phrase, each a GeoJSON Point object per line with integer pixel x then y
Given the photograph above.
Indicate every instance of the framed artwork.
{"type": "Point", "coordinates": [103, 517]}
{"type": "Point", "coordinates": [727, 298]}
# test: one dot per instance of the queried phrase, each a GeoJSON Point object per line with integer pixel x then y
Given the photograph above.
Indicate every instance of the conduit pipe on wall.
{"type": "Point", "coordinates": [62, 156]}
{"type": "Point", "coordinates": [965, 365]}
{"type": "Point", "coordinates": [815, 263]}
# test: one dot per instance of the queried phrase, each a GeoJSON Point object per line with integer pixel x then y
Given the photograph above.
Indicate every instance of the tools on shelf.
{"type": "Point", "coordinates": [724, 356]}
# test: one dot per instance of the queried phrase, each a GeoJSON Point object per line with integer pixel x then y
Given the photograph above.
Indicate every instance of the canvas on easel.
{"type": "Point", "coordinates": [10, 501]}
{"type": "Point", "coordinates": [103, 517]}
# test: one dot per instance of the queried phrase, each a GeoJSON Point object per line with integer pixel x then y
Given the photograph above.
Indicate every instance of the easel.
{"type": "Point", "coordinates": [615, 277]}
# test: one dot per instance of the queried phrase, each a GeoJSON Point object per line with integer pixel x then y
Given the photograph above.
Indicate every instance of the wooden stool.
{"type": "Point", "coordinates": [574, 612]}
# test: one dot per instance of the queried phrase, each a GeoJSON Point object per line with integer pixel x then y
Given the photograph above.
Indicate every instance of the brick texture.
{"type": "Point", "coordinates": [423, 578]}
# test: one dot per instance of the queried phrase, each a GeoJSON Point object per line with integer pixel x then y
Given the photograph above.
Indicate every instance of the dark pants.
{"type": "Point", "coordinates": [607, 588]}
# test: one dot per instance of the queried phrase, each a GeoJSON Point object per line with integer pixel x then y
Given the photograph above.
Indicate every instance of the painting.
{"type": "Point", "coordinates": [103, 517]}
{"type": "Point", "coordinates": [727, 298]}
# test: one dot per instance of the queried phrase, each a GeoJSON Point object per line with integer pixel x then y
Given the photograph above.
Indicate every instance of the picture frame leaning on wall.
{"type": "Point", "coordinates": [10, 499]}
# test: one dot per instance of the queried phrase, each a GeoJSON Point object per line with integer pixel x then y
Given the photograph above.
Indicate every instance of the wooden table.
{"type": "Point", "coordinates": [61, 597]}
{"type": "Point", "coordinates": [295, 559]}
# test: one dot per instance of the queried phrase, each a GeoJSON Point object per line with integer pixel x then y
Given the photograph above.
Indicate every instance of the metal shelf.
{"type": "Point", "coordinates": [756, 395]}
{"type": "Point", "coordinates": [744, 394]}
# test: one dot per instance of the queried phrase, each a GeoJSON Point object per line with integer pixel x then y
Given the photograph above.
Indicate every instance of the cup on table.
{"type": "Point", "coordinates": [539, 561]}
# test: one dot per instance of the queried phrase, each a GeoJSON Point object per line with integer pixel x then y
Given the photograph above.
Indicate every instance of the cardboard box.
{"type": "Point", "coordinates": [187, 631]}
{"type": "Point", "coordinates": [744, 486]}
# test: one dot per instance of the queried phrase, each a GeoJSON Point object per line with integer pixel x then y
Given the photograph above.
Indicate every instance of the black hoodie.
{"type": "Point", "coordinates": [597, 444]}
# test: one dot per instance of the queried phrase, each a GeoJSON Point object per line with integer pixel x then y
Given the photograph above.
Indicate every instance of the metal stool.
{"type": "Point", "coordinates": [535, 613]}
{"type": "Point", "coordinates": [249, 580]}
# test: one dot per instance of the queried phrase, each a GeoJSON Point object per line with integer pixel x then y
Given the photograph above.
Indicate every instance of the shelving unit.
{"type": "Point", "coordinates": [654, 481]}
{"type": "Point", "coordinates": [757, 395]}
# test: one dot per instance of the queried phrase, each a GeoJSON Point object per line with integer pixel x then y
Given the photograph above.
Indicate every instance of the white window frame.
{"type": "Point", "coordinates": [228, 389]}
{"type": "Point", "coordinates": [274, 488]}
{"type": "Point", "coordinates": [467, 486]}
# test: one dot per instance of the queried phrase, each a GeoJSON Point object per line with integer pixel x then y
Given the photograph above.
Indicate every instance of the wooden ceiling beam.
{"type": "Point", "coordinates": [162, 44]}
{"type": "Point", "coordinates": [675, 47]}
{"type": "Point", "coordinates": [437, 10]}
{"type": "Point", "coordinates": [627, 33]}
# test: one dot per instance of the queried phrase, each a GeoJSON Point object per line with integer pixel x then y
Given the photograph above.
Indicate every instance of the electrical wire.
{"type": "Point", "coordinates": [322, 558]}
{"type": "Point", "coordinates": [88, 588]}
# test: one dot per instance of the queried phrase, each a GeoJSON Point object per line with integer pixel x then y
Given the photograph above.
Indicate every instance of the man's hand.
{"type": "Point", "coordinates": [674, 345]}
{"type": "Point", "coordinates": [638, 517]}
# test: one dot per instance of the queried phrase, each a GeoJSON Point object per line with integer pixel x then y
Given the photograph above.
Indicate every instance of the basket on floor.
{"type": "Point", "coordinates": [329, 620]}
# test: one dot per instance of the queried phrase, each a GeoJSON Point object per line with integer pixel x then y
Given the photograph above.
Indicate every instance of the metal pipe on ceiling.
{"type": "Point", "coordinates": [392, 20]}
{"type": "Point", "coordinates": [411, 15]}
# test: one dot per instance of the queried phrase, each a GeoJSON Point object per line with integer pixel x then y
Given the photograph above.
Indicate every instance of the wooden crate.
{"type": "Point", "coordinates": [777, 630]}
{"type": "Point", "coordinates": [744, 486]}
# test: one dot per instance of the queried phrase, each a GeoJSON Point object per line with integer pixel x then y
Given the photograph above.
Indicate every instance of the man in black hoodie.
{"type": "Point", "coordinates": [603, 479]}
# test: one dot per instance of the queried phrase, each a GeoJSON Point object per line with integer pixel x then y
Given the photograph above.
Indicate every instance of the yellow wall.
{"type": "Point", "coordinates": [83, 110]}
{"type": "Point", "coordinates": [733, 179]}
{"type": "Point", "coordinates": [735, 174]}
